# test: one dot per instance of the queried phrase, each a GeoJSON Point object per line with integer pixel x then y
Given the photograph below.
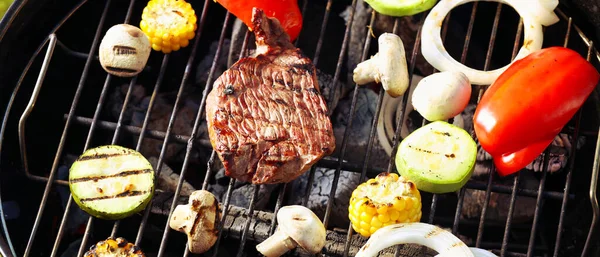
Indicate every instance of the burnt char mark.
{"type": "Point", "coordinates": [307, 66]}
{"type": "Point", "coordinates": [124, 50]}
{"type": "Point", "coordinates": [313, 90]}
{"type": "Point", "coordinates": [248, 116]}
{"type": "Point", "coordinates": [442, 133]}
{"type": "Point", "coordinates": [101, 156]}
{"type": "Point", "coordinates": [121, 70]}
{"type": "Point", "coordinates": [120, 174]}
{"type": "Point", "coordinates": [121, 195]}
{"type": "Point", "coordinates": [279, 81]}
{"type": "Point", "coordinates": [121, 242]}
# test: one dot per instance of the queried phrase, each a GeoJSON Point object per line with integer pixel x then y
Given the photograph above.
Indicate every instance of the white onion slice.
{"type": "Point", "coordinates": [442, 241]}
{"type": "Point", "coordinates": [535, 13]}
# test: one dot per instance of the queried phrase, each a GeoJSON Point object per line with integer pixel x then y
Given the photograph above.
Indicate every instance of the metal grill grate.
{"type": "Point", "coordinates": [349, 242]}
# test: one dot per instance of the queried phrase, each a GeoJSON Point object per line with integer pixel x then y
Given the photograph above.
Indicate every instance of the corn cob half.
{"type": "Point", "coordinates": [169, 24]}
{"type": "Point", "coordinates": [384, 200]}
{"type": "Point", "coordinates": [114, 248]}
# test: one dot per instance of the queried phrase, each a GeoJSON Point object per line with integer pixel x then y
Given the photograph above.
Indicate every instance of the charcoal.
{"type": "Point", "coordinates": [168, 180]}
{"type": "Point", "coordinates": [320, 191]}
{"type": "Point", "coordinates": [203, 68]}
{"type": "Point", "coordinates": [358, 138]}
{"type": "Point", "coordinates": [242, 192]}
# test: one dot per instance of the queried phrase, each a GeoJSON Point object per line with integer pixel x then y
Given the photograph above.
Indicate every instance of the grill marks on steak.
{"type": "Point", "coordinates": [267, 119]}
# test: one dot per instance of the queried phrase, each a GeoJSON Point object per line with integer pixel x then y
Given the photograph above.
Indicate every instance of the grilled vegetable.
{"type": "Point", "coordinates": [170, 24]}
{"type": "Point", "coordinates": [285, 11]}
{"type": "Point", "coordinates": [114, 248]}
{"type": "Point", "coordinates": [124, 50]}
{"type": "Point", "coordinates": [529, 104]}
{"type": "Point", "coordinates": [199, 220]}
{"type": "Point", "coordinates": [400, 8]}
{"type": "Point", "coordinates": [388, 66]}
{"type": "Point", "coordinates": [438, 157]}
{"type": "Point", "coordinates": [111, 182]}
{"type": "Point", "coordinates": [298, 226]}
{"type": "Point", "coordinates": [434, 237]}
{"type": "Point", "coordinates": [442, 95]}
{"type": "Point", "coordinates": [535, 14]}
{"type": "Point", "coordinates": [381, 201]}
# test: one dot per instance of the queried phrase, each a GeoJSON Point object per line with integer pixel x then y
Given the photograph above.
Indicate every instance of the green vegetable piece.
{"type": "Point", "coordinates": [438, 157]}
{"type": "Point", "coordinates": [111, 182]}
{"type": "Point", "coordinates": [398, 8]}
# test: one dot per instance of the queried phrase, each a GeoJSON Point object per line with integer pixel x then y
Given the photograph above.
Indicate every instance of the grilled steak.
{"type": "Point", "coordinates": [266, 117]}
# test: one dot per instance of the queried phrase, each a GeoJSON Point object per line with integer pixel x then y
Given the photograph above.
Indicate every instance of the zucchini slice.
{"type": "Point", "coordinates": [114, 248]}
{"type": "Point", "coordinates": [111, 182]}
{"type": "Point", "coordinates": [399, 8]}
{"type": "Point", "coordinates": [438, 157]}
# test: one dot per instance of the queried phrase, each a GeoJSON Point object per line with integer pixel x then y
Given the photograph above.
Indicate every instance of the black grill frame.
{"type": "Point", "coordinates": [52, 41]}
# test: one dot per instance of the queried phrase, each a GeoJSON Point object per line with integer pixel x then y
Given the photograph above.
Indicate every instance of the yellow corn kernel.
{"type": "Point", "coordinates": [382, 201]}
{"type": "Point", "coordinates": [169, 24]}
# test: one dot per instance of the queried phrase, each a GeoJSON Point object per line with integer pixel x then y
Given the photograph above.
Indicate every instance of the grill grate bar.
{"type": "Point", "coordinates": [538, 205]}
{"type": "Point", "coordinates": [571, 163]}
{"type": "Point", "coordinates": [87, 144]}
{"type": "Point", "coordinates": [513, 197]}
{"type": "Point", "coordinates": [486, 65]}
{"type": "Point", "coordinates": [511, 209]}
{"type": "Point", "coordinates": [231, 180]}
{"type": "Point", "coordinates": [250, 214]}
{"type": "Point", "coordinates": [186, 74]}
{"type": "Point", "coordinates": [411, 69]}
{"type": "Point", "coordinates": [363, 174]}
{"type": "Point", "coordinates": [594, 179]}
{"type": "Point", "coordinates": [336, 77]}
{"type": "Point", "coordinates": [434, 198]}
{"type": "Point", "coordinates": [322, 33]}
{"type": "Point", "coordinates": [82, 80]}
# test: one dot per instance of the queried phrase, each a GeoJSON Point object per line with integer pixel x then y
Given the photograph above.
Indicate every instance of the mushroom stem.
{"type": "Point", "coordinates": [367, 71]}
{"type": "Point", "coordinates": [276, 245]}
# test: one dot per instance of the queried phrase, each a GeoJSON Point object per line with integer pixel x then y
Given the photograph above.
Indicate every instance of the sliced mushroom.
{"type": "Point", "coordinates": [199, 220]}
{"type": "Point", "coordinates": [388, 66]}
{"type": "Point", "coordinates": [124, 50]}
{"type": "Point", "coordinates": [298, 226]}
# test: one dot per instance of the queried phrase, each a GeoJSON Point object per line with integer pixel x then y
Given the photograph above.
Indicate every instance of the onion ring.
{"type": "Point", "coordinates": [535, 13]}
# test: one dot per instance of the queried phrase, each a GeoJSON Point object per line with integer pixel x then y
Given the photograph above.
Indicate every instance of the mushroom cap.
{"type": "Point", "coordinates": [303, 226]}
{"type": "Point", "coordinates": [124, 50]}
{"type": "Point", "coordinates": [392, 66]}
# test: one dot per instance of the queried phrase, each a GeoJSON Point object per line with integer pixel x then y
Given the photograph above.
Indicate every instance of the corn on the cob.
{"type": "Point", "coordinates": [114, 248]}
{"type": "Point", "coordinates": [382, 201]}
{"type": "Point", "coordinates": [169, 24]}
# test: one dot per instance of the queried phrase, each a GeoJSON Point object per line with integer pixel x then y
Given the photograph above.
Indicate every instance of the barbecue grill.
{"type": "Point", "coordinates": [59, 101]}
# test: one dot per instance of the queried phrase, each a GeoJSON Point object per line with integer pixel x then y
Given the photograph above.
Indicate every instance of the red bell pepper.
{"type": "Point", "coordinates": [286, 11]}
{"type": "Point", "coordinates": [529, 104]}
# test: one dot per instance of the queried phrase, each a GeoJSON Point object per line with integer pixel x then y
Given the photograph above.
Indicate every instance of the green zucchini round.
{"type": "Point", "coordinates": [438, 157]}
{"type": "Point", "coordinates": [111, 182]}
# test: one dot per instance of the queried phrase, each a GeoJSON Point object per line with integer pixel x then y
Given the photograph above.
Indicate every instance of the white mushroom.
{"type": "Point", "coordinates": [442, 95]}
{"type": "Point", "coordinates": [199, 220]}
{"type": "Point", "coordinates": [388, 66]}
{"type": "Point", "coordinates": [124, 50]}
{"type": "Point", "coordinates": [298, 226]}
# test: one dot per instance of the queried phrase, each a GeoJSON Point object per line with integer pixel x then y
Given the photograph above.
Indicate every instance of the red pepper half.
{"type": "Point", "coordinates": [529, 104]}
{"type": "Point", "coordinates": [286, 11]}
